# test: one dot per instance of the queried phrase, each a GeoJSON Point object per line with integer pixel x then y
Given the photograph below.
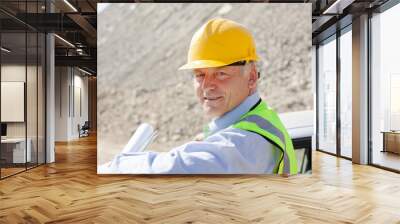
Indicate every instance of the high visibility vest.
{"type": "Point", "coordinates": [265, 122]}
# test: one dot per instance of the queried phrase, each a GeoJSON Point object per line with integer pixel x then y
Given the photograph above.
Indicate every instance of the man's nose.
{"type": "Point", "coordinates": [208, 82]}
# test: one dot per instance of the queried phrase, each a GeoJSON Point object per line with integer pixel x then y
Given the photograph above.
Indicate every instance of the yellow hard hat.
{"type": "Point", "coordinates": [220, 42]}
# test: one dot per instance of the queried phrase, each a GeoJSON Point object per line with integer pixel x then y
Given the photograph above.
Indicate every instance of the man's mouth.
{"type": "Point", "coordinates": [212, 97]}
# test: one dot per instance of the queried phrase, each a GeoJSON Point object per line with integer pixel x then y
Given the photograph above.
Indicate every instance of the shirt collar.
{"type": "Point", "coordinates": [234, 115]}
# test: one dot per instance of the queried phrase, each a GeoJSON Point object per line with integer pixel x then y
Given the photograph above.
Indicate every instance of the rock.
{"type": "Point", "coordinates": [140, 49]}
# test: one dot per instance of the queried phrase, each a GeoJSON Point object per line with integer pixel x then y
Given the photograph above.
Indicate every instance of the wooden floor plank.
{"type": "Point", "coordinates": [70, 191]}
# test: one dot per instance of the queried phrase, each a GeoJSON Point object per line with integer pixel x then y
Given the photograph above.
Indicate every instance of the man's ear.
{"type": "Point", "coordinates": [253, 76]}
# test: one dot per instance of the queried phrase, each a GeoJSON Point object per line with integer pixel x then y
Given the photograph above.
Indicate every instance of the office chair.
{"type": "Point", "coordinates": [84, 130]}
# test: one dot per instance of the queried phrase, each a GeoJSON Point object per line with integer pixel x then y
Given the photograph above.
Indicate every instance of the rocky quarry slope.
{"type": "Point", "coordinates": [141, 46]}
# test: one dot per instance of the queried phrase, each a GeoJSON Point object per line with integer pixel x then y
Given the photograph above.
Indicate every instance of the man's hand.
{"type": "Point", "coordinates": [199, 137]}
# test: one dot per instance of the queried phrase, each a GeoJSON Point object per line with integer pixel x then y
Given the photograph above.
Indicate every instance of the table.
{"type": "Point", "coordinates": [300, 127]}
{"type": "Point", "coordinates": [13, 150]}
{"type": "Point", "coordinates": [306, 144]}
{"type": "Point", "coordinates": [391, 141]}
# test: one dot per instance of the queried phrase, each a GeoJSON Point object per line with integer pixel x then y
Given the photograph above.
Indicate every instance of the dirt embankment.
{"type": "Point", "coordinates": [140, 47]}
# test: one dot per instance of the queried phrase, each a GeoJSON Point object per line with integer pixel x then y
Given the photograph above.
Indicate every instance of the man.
{"type": "Point", "coordinates": [245, 135]}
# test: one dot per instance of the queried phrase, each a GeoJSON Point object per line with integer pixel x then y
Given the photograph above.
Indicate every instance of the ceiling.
{"type": "Point", "coordinates": [328, 16]}
{"type": "Point", "coordinates": [75, 21]}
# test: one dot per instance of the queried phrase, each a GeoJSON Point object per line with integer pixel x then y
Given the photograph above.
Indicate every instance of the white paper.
{"type": "Point", "coordinates": [142, 137]}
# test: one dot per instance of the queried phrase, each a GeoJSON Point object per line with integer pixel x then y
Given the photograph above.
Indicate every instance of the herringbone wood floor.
{"type": "Point", "coordinates": [70, 191]}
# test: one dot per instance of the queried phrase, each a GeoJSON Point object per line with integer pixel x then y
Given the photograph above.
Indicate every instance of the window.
{"type": "Point", "coordinates": [346, 75]}
{"type": "Point", "coordinates": [385, 88]}
{"type": "Point", "coordinates": [22, 87]}
{"type": "Point", "coordinates": [327, 95]}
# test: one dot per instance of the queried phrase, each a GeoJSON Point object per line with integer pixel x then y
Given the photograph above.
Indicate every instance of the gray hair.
{"type": "Point", "coordinates": [247, 67]}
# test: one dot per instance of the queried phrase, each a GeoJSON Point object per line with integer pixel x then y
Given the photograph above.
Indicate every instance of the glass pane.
{"type": "Point", "coordinates": [13, 87]}
{"type": "Point", "coordinates": [14, 5]}
{"type": "Point", "coordinates": [32, 6]}
{"type": "Point", "coordinates": [8, 24]}
{"type": "Point", "coordinates": [386, 89]}
{"type": "Point", "coordinates": [31, 100]}
{"type": "Point", "coordinates": [346, 94]}
{"type": "Point", "coordinates": [41, 98]}
{"type": "Point", "coordinates": [327, 96]}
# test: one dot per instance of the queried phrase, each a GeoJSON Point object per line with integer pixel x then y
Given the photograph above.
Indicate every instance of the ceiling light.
{"type": "Point", "coordinates": [70, 5]}
{"type": "Point", "coordinates": [5, 50]}
{"type": "Point", "coordinates": [337, 7]}
{"type": "Point", "coordinates": [65, 41]}
{"type": "Point", "coordinates": [84, 71]}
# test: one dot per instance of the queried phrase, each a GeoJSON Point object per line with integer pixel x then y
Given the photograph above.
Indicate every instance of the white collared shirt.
{"type": "Point", "coordinates": [226, 150]}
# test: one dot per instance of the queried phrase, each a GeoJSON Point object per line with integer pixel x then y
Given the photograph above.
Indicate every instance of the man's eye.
{"type": "Point", "coordinates": [222, 75]}
{"type": "Point", "coordinates": [199, 76]}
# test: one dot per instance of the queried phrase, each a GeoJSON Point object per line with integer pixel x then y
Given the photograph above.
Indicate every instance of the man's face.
{"type": "Point", "coordinates": [219, 90]}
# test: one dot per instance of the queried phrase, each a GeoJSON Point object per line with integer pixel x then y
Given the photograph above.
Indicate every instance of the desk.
{"type": "Point", "coordinates": [391, 141]}
{"type": "Point", "coordinates": [15, 148]}
{"type": "Point", "coordinates": [300, 126]}
{"type": "Point", "coordinates": [306, 144]}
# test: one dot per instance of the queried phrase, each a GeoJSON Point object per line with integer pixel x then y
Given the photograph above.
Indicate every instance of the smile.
{"type": "Point", "coordinates": [212, 98]}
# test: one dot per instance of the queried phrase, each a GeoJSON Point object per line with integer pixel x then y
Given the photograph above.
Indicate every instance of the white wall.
{"type": "Point", "coordinates": [17, 73]}
{"type": "Point", "coordinates": [33, 126]}
{"type": "Point", "coordinates": [14, 73]}
{"type": "Point", "coordinates": [70, 83]}
{"type": "Point", "coordinates": [80, 84]}
{"type": "Point", "coordinates": [61, 103]}
{"type": "Point", "coordinates": [12, 101]}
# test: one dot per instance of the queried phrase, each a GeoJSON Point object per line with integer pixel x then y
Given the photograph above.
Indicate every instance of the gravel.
{"type": "Point", "coordinates": [141, 46]}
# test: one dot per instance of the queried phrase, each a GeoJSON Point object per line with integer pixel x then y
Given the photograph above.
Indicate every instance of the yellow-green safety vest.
{"type": "Point", "coordinates": [265, 122]}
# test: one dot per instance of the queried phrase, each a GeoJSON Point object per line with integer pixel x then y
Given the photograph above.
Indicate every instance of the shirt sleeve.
{"type": "Point", "coordinates": [229, 151]}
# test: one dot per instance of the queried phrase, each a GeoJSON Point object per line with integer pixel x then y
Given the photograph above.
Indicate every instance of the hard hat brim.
{"type": "Point", "coordinates": [202, 64]}
{"type": "Point", "coordinates": [210, 63]}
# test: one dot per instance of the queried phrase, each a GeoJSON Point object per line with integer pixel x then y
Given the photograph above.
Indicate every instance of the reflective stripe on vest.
{"type": "Point", "coordinates": [267, 126]}
{"type": "Point", "coordinates": [256, 121]}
